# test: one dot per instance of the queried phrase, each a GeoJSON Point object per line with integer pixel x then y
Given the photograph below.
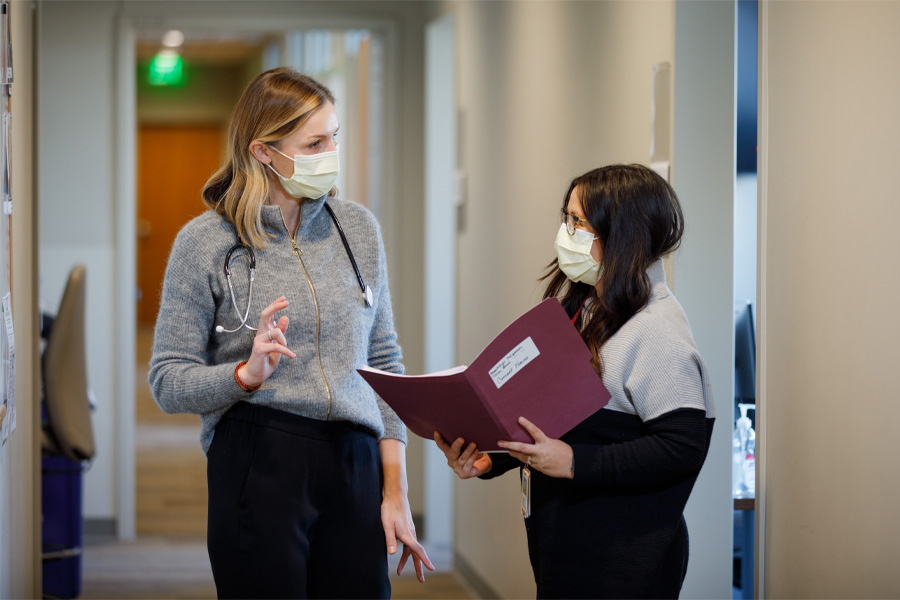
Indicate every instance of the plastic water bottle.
{"type": "Point", "coordinates": [737, 466]}
{"type": "Point", "coordinates": [747, 438]}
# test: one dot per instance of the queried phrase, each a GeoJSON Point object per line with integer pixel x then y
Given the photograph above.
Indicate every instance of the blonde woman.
{"type": "Point", "coordinates": [306, 466]}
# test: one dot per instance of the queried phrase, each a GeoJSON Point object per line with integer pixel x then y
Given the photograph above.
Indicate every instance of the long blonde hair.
{"type": "Point", "coordinates": [273, 106]}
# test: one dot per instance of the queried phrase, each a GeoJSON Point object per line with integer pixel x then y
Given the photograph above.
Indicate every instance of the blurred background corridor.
{"type": "Point", "coordinates": [462, 124]}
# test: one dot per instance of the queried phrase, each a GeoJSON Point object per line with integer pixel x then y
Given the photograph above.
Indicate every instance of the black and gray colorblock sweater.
{"type": "Point", "coordinates": [617, 528]}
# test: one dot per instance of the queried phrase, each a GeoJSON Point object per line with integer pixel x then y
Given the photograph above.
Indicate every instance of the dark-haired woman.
{"type": "Point", "coordinates": [608, 498]}
{"type": "Point", "coordinates": [306, 466]}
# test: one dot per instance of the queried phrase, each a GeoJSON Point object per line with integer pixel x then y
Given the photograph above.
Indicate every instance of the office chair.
{"type": "Point", "coordinates": [67, 442]}
{"type": "Point", "coordinates": [68, 432]}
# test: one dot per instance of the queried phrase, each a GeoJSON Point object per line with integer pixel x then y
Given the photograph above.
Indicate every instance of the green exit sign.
{"type": "Point", "coordinates": [166, 69]}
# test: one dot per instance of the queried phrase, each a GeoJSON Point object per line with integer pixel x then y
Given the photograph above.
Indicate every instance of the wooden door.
{"type": "Point", "coordinates": [174, 162]}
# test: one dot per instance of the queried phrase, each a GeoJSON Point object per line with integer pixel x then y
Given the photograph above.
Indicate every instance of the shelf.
{"type": "Point", "coordinates": [745, 504]}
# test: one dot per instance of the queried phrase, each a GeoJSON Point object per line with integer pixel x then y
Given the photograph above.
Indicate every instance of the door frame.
{"type": "Point", "coordinates": [441, 235]}
{"type": "Point", "coordinates": [762, 178]}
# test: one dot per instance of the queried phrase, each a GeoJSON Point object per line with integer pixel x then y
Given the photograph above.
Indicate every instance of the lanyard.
{"type": "Point", "coordinates": [579, 311]}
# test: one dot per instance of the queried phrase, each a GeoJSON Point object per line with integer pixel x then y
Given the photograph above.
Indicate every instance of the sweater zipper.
{"type": "Point", "coordinates": [298, 253]}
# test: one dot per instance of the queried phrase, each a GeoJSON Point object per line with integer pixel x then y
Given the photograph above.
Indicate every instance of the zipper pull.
{"type": "Point", "coordinates": [297, 249]}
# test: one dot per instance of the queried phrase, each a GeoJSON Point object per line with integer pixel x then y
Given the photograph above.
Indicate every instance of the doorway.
{"type": "Point", "coordinates": [745, 269]}
{"type": "Point", "coordinates": [180, 140]}
{"type": "Point", "coordinates": [174, 162]}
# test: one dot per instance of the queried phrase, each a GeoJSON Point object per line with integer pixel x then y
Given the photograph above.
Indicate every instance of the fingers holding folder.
{"type": "Point", "coordinates": [549, 456]}
{"type": "Point", "coordinates": [466, 463]}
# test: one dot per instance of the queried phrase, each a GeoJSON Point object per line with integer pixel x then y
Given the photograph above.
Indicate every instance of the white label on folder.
{"type": "Point", "coordinates": [514, 362]}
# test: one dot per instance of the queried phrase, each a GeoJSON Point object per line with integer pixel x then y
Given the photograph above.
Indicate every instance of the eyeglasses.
{"type": "Point", "coordinates": [572, 221]}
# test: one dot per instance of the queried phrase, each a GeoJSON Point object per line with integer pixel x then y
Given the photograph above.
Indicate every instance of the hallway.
{"type": "Point", "coordinates": [169, 559]}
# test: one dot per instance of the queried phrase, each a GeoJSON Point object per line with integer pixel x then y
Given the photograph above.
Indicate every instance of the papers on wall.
{"type": "Point", "coordinates": [9, 370]}
{"type": "Point", "coordinates": [7, 344]}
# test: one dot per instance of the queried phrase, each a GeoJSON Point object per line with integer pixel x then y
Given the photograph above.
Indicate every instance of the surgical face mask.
{"type": "Point", "coordinates": [574, 255]}
{"type": "Point", "coordinates": [314, 175]}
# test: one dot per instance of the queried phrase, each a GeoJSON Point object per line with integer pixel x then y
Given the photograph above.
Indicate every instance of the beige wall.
{"type": "Point", "coordinates": [20, 526]}
{"type": "Point", "coordinates": [77, 209]}
{"type": "Point", "coordinates": [828, 290]}
{"type": "Point", "coordinates": [548, 90]}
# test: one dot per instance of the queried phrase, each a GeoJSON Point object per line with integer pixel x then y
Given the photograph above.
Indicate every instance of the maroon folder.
{"type": "Point", "coordinates": [538, 368]}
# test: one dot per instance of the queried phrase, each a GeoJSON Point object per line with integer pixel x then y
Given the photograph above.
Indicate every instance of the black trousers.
{"type": "Point", "coordinates": [294, 508]}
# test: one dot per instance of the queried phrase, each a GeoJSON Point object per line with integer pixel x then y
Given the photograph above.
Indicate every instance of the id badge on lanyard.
{"type": "Point", "coordinates": [526, 492]}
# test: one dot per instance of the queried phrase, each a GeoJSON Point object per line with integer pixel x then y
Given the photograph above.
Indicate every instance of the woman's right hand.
{"type": "Point", "coordinates": [465, 463]}
{"type": "Point", "coordinates": [268, 345]}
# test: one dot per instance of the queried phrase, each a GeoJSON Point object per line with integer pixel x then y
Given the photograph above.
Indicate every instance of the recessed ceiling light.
{"type": "Point", "coordinates": [173, 38]}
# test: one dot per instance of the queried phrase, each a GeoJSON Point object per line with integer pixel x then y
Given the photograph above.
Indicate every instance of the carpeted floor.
{"type": "Point", "coordinates": [169, 567]}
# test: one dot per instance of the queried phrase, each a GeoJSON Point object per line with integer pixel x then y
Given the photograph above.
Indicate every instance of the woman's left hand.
{"type": "Point", "coordinates": [398, 525]}
{"type": "Point", "coordinates": [550, 457]}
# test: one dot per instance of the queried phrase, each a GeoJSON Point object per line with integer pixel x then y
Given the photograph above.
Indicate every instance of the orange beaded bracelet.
{"type": "Point", "coordinates": [244, 386]}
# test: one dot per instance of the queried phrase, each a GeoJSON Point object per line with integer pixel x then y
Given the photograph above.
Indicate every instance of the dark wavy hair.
{"type": "Point", "coordinates": [638, 219]}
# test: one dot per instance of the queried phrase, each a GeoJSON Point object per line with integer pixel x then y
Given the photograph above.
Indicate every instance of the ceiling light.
{"type": "Point", "coordinates": [173, 38]}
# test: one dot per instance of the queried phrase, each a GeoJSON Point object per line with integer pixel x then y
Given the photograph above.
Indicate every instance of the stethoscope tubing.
{"type": "Point", "coordinates": [367, 293]}
{"type": "Point", "coordinates": [252, 257]}
{"type": "Point", "coordinates": [362, 284]}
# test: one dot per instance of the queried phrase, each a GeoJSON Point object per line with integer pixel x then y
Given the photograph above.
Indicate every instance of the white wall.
{"type": "Point", "coordinates": [703, 177]}
{"type": "Point", "coordinates": [80, 200]}
{"type": "Point", "coordinates": [829, 94]}
{"type": "Point", "coordinates": [77, 204]}
{"type": "Point", "coordinates": [20, 485]}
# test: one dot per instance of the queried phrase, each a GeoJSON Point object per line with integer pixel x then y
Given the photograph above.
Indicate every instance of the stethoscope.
{"type": "Point", "coordinates": [240, 246]}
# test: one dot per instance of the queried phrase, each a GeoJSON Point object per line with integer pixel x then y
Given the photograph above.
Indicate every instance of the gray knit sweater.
{"type": "Point", "coordinates": [192, 367]}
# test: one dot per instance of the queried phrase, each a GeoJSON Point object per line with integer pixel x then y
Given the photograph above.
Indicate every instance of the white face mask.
{"type": "Point", "coordinates": [314, 175]}
{"type": "Point", "coordinates": [574, 255]}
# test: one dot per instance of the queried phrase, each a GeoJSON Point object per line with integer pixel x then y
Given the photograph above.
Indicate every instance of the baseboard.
{"type": "Point", "coordinates": [108, 526]}
{"type": "Point", "coordinates": [472, 579]}
{"type": "Point", "coordinates": [100, 527]}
